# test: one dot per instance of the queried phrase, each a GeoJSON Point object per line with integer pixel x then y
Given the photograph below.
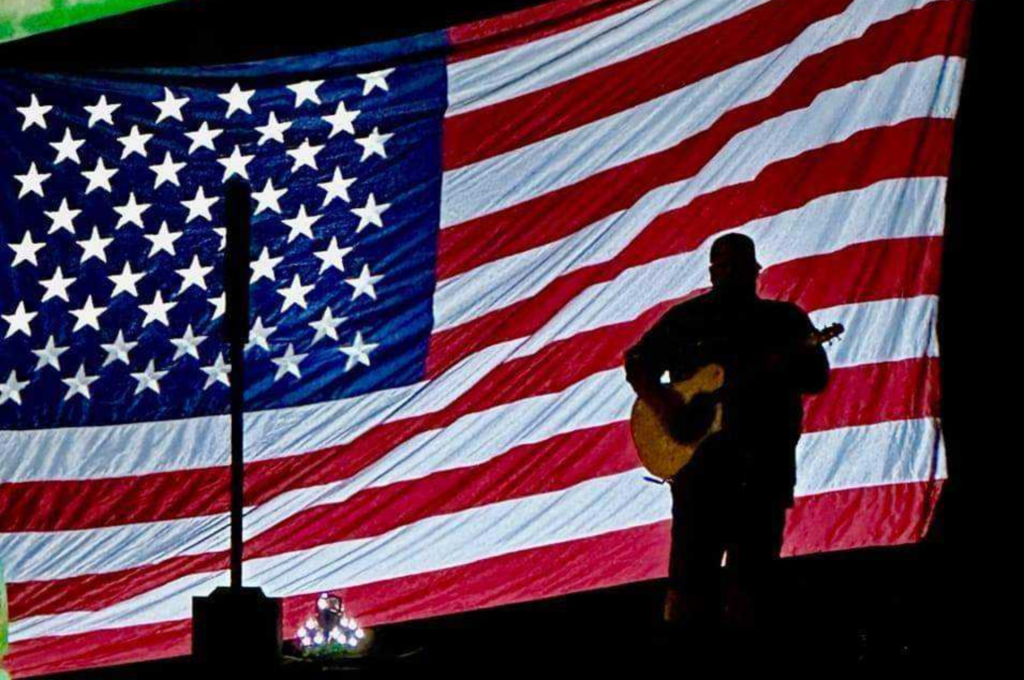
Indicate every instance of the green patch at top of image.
{"type": "Point", "coordinates": [23, 18]}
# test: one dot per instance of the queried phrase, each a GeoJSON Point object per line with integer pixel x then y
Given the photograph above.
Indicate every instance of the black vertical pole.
{"type": "Point", "coordinates": [237, 316]}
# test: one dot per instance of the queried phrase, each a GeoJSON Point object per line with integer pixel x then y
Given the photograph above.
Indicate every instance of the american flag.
{"type": "Point", "coordinates": [455, 237]}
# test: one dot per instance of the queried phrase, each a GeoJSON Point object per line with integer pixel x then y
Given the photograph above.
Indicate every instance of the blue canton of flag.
{"type": "Point", "coordinates": [112, 236]}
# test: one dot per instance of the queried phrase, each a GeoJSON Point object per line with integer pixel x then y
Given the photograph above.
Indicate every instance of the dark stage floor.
{"type": "Point", "coordinates": [872, 610]}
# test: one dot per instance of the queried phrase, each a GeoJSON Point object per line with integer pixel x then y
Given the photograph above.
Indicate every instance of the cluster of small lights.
{"type": "Point", "coordinates": [331, 626]}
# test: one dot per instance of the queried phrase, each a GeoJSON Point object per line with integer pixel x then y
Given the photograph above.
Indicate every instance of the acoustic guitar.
{"type": "Point", "coordinates": [659, 450]}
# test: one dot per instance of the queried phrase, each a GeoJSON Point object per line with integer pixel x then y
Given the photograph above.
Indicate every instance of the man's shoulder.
{"type": "Point", "coordinates": [693, 305]}
{"type": "Point", "coordinates": [786, 311]}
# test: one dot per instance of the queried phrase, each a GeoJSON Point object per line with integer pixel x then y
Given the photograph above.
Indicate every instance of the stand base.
{"type": "Point", "coordinates": [233, 629]}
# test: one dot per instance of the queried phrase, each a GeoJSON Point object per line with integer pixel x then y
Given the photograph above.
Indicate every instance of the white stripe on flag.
{"type": "Point", "coordinates": [114, 450]}
{"type": "Point", "coordinates": [515, 71]}
{"type": "Point", "coordinates": [858, 457]}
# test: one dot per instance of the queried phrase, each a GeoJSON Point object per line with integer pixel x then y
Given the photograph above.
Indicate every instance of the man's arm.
{"type": "Point", "coordinates": [647, 361]}
{"type": "Point", "coordinates": [802, 365]}
{"type": "Point", "coordinates": [809, 367]}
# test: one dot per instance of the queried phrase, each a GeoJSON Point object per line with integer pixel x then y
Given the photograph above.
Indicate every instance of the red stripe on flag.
{"type": "Point", "coordinates": [99, 648]}
{"type": "Point", "coordinates": [530, 24]}
{"type": "Point", "coordinates": [56, 505]}
{"type": "Point", "coordinates": [867, 517]}
{"type": "Point", "coordinates": [549, 217]}
{"type": "Point", "coordinates": [876, 393]}
{"type": "Point", "coordinates": [909, 267]}
{"type": "Point", "coordinates": [514, 123]}
{"type": "Point", "coordinates": [630, 555]}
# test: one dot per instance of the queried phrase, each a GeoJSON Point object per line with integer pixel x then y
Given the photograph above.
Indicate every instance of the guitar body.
{"type": "Point", "coordinates": [662, 454]}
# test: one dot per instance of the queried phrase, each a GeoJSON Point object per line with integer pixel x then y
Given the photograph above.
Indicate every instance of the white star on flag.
{"type": "Point", "coordinates": [301, 224]}
{"type": "Point", "coordinates": [187, 344]}
{"type": "Point", "coordinates": [11, 390]}
{"type": "Point", "coordinates": [326, 327]}
{"type": "Point", "coordinates": [220, 305]}
{"type": "Point", "coordinates": [203, 138]}
{"type": "Point", "coordinates": [20, 321]}
{"type": "Point", "coordinates": [295, 294]}
{"type": "Point", "coordinates": [94, 247]}
{"type": "Point", "coordinates": [49, 355]}
{"type": "Point", "coordinates": [163, 240]}
{"type": "Point", "coordinates": [306, 91]}
{"type": "Point", "coordinates": [199, 206]}
{"type": "Point", "coordinates": [34, 113]}
{"type": "Point", "coordinates": [57, 286]}
{"type": "Point", "coordinates": [119, 350]}
{"type": "Point", "coordinates": [167, 171]}
{"type": "Point", "coordinates": [259, 335]}
{"type": "Point", "coordinates": [370, 213]}
{"type": "Point", "coordinates": [134, 142]}
{"type": "Point", "coordinates": [268, 198]}
{"type": "Point", "coordinates": [26, 251]}
{"type": "Point", "coordinates": [341, 120]}
{"type": "Point", "coordinates": [131, 212]}
{"type": "Point", "coordinates": [273, 130]}
{"type": "Point", "coordinates": [99, 177]}
{"type": "Point", "coordinates": [364, 284]}
{"type": "Point", "coordinates": [149, 379]}
{"type": "Point", "coordinates": [67, 148]}
{"type": "Point", "coordinates": [288, 363]}
{"type": "Point", "coordinates": [32, 181]}
{"type": "Point", "coordinates": [126, 281]}
{"type": "Point", "coordinates": [88, 315]}
{"type": "Point", "coordinates": [170, 106]}
{"type": "Point", "coordinates": [305, 155]}
{"type": "Point", "coordinates": [62, 218]}
{"type": "Point", "coordinates": [376, 79]}
{"type": "Point", "coordinates": [263, 266]}
{"type": "Point", "coordinates": [235, 164]}
{"type": "Point", "coordinates": [337, 187]}
{"type": "Point", "coordinates": [217, 372]}
{"type": "Point", "coordinates": [373, 144]}
{"type": "Point", "coordinates": [193, 275]}
{"type": "Point", "coordinates": [156, 311]}
{"type": "Point", "coordinates": [102, 111]}
{"type": "Point", "coordinates": [79, 385]}
{"type": "Point", "coordinates": [357, 352]}
{"type": "Point", "coordinates": [333, 256]}
{"type": "Point", "coordinates": [237, 99]}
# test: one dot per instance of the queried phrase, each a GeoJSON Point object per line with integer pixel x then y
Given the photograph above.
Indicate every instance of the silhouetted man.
{"type": "Point", "coordinates": [732, 497]}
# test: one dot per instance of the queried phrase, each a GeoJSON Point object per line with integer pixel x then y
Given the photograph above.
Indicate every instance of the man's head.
{"type": "Point", "coordinates": [734, 266]}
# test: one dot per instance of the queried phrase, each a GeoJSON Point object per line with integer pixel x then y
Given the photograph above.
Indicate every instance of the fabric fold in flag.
{"type": "Point", "coordinates": [456, 236]}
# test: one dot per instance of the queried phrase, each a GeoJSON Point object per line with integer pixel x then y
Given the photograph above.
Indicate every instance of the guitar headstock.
{"type": "Point", "coordinates": [828, 334]}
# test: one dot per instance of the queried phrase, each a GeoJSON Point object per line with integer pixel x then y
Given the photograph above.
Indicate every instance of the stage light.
{"type": "Point", "coordinates": [332, 631]}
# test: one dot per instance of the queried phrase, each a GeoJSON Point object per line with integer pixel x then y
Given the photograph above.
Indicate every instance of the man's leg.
{"type": "Point", "coordinates": [695, 598]}
{"type": "Point", "coordinates": [753, 557]}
